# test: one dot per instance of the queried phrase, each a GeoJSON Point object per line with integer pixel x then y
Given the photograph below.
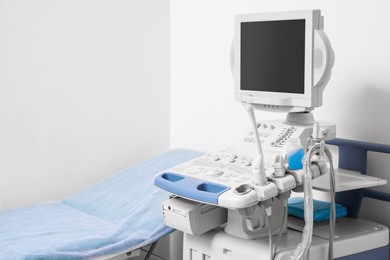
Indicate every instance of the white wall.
{"type": "Point", "coordinates": [84, 92]}
{"type": "Point", "coordinates": [204, 115]}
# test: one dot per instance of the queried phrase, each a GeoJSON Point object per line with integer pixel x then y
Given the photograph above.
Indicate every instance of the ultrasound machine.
{"type": "Point", "coordinates": [234, 204]}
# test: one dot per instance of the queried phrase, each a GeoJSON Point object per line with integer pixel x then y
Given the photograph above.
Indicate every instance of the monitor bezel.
{"type": "Point", "coordinates": [306, 101]}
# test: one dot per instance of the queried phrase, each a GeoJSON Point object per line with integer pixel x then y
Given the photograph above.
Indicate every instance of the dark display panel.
{"type": "Point", "coordinates": [273, 56]}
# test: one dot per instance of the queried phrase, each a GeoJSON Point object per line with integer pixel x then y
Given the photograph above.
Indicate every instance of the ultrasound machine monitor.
{"type": "Point", "coordinates": [281, 61]}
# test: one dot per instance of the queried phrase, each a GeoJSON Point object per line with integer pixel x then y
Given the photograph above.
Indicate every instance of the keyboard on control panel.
{"type": "Point", "coordinates": [229, 169]}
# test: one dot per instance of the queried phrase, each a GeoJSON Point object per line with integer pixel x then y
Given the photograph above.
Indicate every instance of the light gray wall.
{"type": "Point", "coordinates": [204, 113]}
{"type": "Point", "coordinates": [84, 92]}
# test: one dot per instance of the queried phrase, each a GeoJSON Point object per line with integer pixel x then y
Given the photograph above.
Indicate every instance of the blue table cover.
{"type": "Point", "coordinates": [120, 213]}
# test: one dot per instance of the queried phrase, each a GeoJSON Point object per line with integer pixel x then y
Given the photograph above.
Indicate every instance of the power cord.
{"type": "Point", "coordinates": [270, 237]}
{"type": "Point", "coordinates": [321, 149]}
{"type": "Point", "coordinates": [284, 221]}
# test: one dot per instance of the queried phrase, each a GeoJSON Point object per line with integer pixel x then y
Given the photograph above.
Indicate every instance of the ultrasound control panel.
{"type": "Point", "coordinates": [219, 177]}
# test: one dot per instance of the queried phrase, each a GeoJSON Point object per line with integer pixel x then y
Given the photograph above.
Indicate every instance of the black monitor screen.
{"type": "Point", "coordinates": [273, 56]}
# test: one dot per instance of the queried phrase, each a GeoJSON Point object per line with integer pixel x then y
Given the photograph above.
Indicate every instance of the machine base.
{"type": "Point", "coordinates": [217, 245]}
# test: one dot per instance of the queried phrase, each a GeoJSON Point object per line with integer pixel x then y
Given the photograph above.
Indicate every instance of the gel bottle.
{"type": "Point", "coordinates": [295, 153]}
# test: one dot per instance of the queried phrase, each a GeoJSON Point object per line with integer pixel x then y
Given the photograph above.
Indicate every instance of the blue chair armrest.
{"type": "Point", "coordinates": [353, 156]}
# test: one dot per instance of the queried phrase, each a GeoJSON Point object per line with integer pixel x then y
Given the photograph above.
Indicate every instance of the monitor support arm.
{"type": "Point", "coordinates": [258, 172]}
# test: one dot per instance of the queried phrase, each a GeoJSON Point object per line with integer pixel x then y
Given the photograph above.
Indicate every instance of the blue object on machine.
{"type": "Point", "coordinates": [295, 154]}
{"type": "Point", "coordinates": [189, 187]}
{"type": "Point", "coordinates": [116, 215]}
{"type": "Point", "coordinates": [295, 160]}
{"type": "Point", "coordinates": [321, 209]}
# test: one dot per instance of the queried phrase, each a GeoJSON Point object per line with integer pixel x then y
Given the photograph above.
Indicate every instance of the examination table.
{"type": "Point", "coordinates": [119, 214]}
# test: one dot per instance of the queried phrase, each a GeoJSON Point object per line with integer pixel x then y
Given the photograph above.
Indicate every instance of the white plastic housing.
{"type": "Point", "coordinates": [192, 217]}
{"type": "Point", "coordinates": [319, 60]}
